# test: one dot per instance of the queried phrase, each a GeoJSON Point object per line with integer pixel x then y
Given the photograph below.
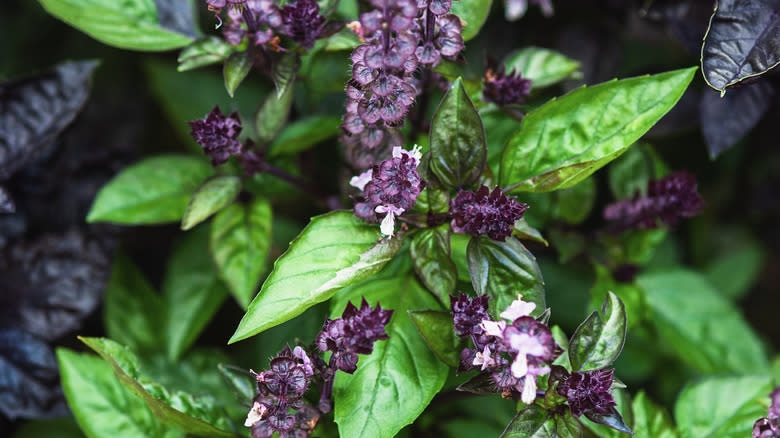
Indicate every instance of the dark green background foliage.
{"type": "Point", "coordinates": [175, 251]}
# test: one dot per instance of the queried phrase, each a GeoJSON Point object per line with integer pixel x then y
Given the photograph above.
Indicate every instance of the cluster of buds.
{"type": "Point", "coordinates": [399, 35]}
{"type": "Point", "coordinates": [504, 88]}
{"type": "Point", "coordinates": [279, 405]}
{"type": "Point", "coordinates": [484, 212]}
{"type": "Point", "coordinates": [218, 136]}
{"type": "Point", "coordinates": [389, 188]}
{"type": "Point", "coordinates": [769, 426]}
{"type": "Point", "coordinates": [514, 350]}
{"type": "Point", "coordinates": [586, 393]}
{"type": "Point", "coordinates": [667, 199]}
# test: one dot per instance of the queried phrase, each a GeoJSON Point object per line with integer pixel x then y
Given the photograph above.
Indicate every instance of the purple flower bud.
{"type": "Point", "coordinates": [218, 135]}
{"type": "Point", "coordinates": [468, 313]}
{"type": "Point", "coordinates": [505, 89]}
{"type": "Point", "coordinates": [769, 427]}
{"type": "Point", "coordinates": [302, 22]}
{"type": "Point", "coordinates": [488, 213]}
{"type": "Point", "coordinates": [774, 409]}
{"type": "Point", "coordinates": [667, 199]}
{"type": "Point", "coordinates": [354, 333]}
{"type": "Point", "coordinates": [588, 392]}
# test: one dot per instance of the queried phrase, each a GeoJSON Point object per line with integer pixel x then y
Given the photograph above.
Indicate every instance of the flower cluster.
{"type": "Point", "coordinates": [352, 334]}
{"type": "Point", "coordinates": [667, 199]}
{"type": "Point", "coordinates": [303, 22]}
{"type": "Point", "coordinates": [218, 135]}
{"type": "Point", "coordinates": [398, 35]}
{"type": "Point", "coordinates": [486, 212]}
{"type": "Point", "coordinates": [515, 9]}
{"type": "Point", "coordinates": [769, 426]}
{"type": "Point", "coordinates": [586, 393]}
{"type": "Point", "coordinates": [279, 406]}
{"type": "Point", "coordinates": [514, 351]}
{"type": "Point", "coordinates": [280, 390]}
{"type": "Point", "coordinates": [505, 89]}
{"type": "Point", "coordinates": [389, 188]}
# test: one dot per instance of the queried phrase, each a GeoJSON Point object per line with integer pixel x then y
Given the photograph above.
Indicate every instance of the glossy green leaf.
{"type": "Point", "coordinates": [651, 420]}
{"type": "Point", "coordinates": [344, 39]}
{"type": "Point", "coordinates": [204, 51]}
{"type": "Point", "coordinates": [303, 134]}
{"type": "Point", "coordinates": [531, 422]}
{"type": "Point", "coordinates": [598, 341]}
{"type": "Point", "coordinates": [130, 24]}
{"type": "Point", "coordinates": [522, 230]}
{"type": "Point", "coordinates": [632, 296]}
{"type": "Point", "coordinates": [210, 197]}
{"type": "Point", "coordinates": [102, 406]}
{"type": "Point", "coordinates": [502, 270]}
{"type": "Point", "coordinates": [544, 67]}
{"type": "Point", "coordinates": [499, 128]}
{"type": "Point", "coordinates": [236, 69]}
{"type": "Point", "coordinates": [567, 139]}
{"type": "Point", "coordinates": [741, 42]}
{"type": "Point", "coordinates": [132, 309]}
{"type": "Point", "coordinates": [457, 143]}
{"type": "Point", "coordinates": [285, 71]}
{"type": "Point", "coordinates": [272, 114]}
{"type": "Point", "coordinates": [240, 241]}
{"type": "Point", "coordinates": [567, 426]}
{"type": "Point", "coordinates": [397, 381]}
{"type": "Point", "coordinates": [153, 191]}
{"type": "Point", "coordinates": [197, 415]}
{"type": "Point", "coordinates": [192, 292]}
{"type": "Point", "coordinates": [438, 330]}
{"type": "Point", "coordinates": [335, 250]}
{"type": "Point", "coordinates": [702, 327]}
{"type": "Point", "coordinates": [722, 407]}
{"type": "Point", "coordinates": [432, 259]}
{"type": "Point", "coordinates": [473, 13]}
{"type": "Point", "coordinates": [241, 382]}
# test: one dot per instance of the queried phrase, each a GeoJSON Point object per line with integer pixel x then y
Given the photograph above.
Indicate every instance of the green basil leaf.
{"type": "Point", "coordinates": [335, 250]}
{"type": "Point", "coordinates": [457, 141]}
{"type": "Point", "coordinates": [236, 69]}
{"type": "Point", "coordinates": [153, 191]}
{"type": "Point", "coordinates": [240, 241]}
{"type": "Point", "coordinates": [192, 291]}
{"type": "Point", "coordinates": [433, 262]}
{"type": "Point", "coordinates": [473, 13]}
{"type": "Point", "coordinates": [241, 383]}
{"type": "Point", "coordinates": [567, 426]}
{"type": "Point", "coordinates": [544, 67]}
{"type": "Point", "coordinates": [130, 24]}
{"type": "Point", "coordinates": [197, 415]}
{"type": "Point", "coordinates": [204, 51]}
{"type": "Point", "coordinates": [630, 173]}
{"type": "Point", "coordinates": [741, 42]}
{"type": "Point", "coordinates": [522, 230]}
{"type": "Point", "coordinates": [285, 71]}
{"type": "Point", "coordinates": [567, 139]}
{"type": "Point", "coordinates": [272, 114]}
{"type": "Point", "coordinates": [438, 330]}
{"type": "Point", "coordinates": [210, 197]}
{"type": "Point", "coordinates": [632, 296]}
{"type": "Point", "coordinates": [102, 406]}
{"type": "Point", "coordinates": [723, 407]}
{"type": "Point", "coordinates": [531, 422]}
{"type": "Point", "coordinates": [598, 341]}
{"type": "Point", "coordinates": [132, 309]}
{"type": "Point", "coordinates": [396, 382]}
{"type": "Point", "coordinates": [303, 134]}
{"type": "Point", "coordinates": [499, 128]}
{"type": "Point", "coordinates": [700, 325]}
{"type": "Point", "coordinates": [502, 270]}
{"type": "Point", "coordinates": [651, 420]}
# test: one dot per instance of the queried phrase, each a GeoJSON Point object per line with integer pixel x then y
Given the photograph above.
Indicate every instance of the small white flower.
{"type": "Point", "coordinates": [484, 358]}
{"type": "Point", "coordinates": [517, 309]}
{"type": "Point", "coordinates": [529, 389]}
{"type": "Point", "coordinates": [414, 154]}
{"type": "Point", "coordinates": [361, 180]}
{"type": "Point", "coordinates": [255, 414]}
{"type": "Point", "coordinates": [387, 227]}
{"type": "Point", "coordinates": [493, 328]}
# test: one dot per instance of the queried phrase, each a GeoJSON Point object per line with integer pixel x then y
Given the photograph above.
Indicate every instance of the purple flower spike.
{"type": "Point", "coordinates": [588, 392]}
{"type": "Point", "coordinates": [354, 333]}
{"type": "Point", "coordinates": [218, 135]}
{"type": "Point", "coordinates": [505, 89]}
{"type": "Point", "coordinates": [769, 427]}
{"type": "Point", "coordinates": [303, 22]}
{"type": "Point", "coordinates": [468, 313]}
{"type": "Point", "coordinates": [667, 199]}
{"type": "Point", "coordinates": [485, 212]}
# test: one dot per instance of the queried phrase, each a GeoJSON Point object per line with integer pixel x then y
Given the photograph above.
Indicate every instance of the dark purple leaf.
{"type": "Point", "coordinates": [686, 20]}
{"type": "Point", "coordinates": [743, 41]}
{"type": "Point", "coordinates": [614, 420]}
{"type": "Point", "coordinates": [49, 285]}
{"type": "Point", "coordinates": [34, 110]}
{"type": "Point", "coordinates": [726, 120]}
{"type": "Point", "coordinates": [28, 376]}
{"type": "Point", "coordinates": [176, 15]}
